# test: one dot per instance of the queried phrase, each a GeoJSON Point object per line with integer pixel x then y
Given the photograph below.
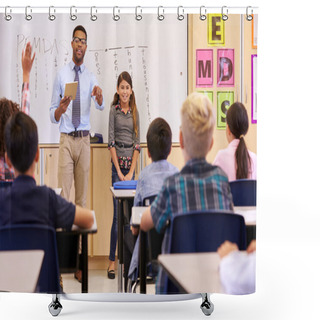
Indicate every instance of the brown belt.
{"type": "Point", "coordinates": [80, 133]}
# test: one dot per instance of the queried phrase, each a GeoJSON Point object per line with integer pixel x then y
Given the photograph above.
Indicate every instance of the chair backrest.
{"type": "Point", "coordinates": [31, 237]}
{"type": "Point", "coordinates": [5, 184]}
{"type": "Point", "coordinates": [244, 192]}
{"type": "Point", "coordinates": [154, 238]}
{"type": "Point", "coordinates": [205, 231]}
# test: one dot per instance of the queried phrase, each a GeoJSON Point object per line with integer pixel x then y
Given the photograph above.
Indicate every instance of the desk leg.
{"type": "Point", "coordinates": [120, 246]}
{"type": "Point", "coordinates": [143, 262]}
{"type": "Point", "coordinates": [84, 254]}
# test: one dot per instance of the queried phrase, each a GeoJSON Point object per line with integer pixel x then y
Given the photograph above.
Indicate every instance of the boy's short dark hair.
{"type": "Point", "coordinates": [21, 141]}
{"type": "Point", "coordinates": [159, 139]}
{"type": "Point", "coordinates": [80, 28]}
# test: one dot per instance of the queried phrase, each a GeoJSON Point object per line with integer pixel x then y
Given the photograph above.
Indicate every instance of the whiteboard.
{"type": "Point", "coordinates": [154, 53]}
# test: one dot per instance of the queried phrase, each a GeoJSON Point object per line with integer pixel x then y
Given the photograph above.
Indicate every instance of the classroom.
{"type": "Point", "coordinates": [215, 57]}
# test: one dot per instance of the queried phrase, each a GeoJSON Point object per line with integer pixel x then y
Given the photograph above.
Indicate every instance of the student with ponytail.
{"type": "Point", "coordinates": [236, 160]}
{"type": "Point", "coordinates": [124, 146]}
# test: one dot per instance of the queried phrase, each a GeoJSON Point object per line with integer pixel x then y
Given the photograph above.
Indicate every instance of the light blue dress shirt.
{"type": "Point", "coordinates": [87, 83]}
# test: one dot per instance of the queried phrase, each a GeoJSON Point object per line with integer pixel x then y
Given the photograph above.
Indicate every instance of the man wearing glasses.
{"type": "Point", "coordinates": [73, 116]}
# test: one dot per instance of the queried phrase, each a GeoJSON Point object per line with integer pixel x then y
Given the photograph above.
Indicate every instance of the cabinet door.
{"type": "Point", "coordinates": [50, 167]}
{"type": "Point", "coordinates": [102, 200]}
{"type": "Point", "coordinates": [37, 173]}
{"type": "Point", "coordinates": [50, 170]}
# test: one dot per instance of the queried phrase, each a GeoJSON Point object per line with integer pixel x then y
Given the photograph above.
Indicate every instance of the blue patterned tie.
{"type": "Point", "coordinates": [76, 102]}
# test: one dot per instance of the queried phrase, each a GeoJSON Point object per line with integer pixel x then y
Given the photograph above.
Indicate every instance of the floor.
{"type": "Point", "coordinates": [98, 283]}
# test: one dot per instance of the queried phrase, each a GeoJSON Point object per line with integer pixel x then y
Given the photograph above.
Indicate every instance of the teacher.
{"type": "Point", "coordinates": [74, 119]}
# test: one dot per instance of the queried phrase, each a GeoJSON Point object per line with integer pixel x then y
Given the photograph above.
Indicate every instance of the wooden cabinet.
{"type": "Point", "coordinates": [102, 201]}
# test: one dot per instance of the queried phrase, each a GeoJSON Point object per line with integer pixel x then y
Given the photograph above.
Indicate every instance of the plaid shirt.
{"type": "Point", "coordinates": [199, 186]}
{"type": "Point", "coordinates": [7, 174]}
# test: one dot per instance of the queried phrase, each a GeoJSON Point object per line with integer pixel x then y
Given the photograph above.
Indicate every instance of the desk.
{"type": "Point", "coordinates": [249, 214]}
{"type": "Point", "coordinates": [193, 272]}
{"type": "Point", "coordinates": [75, 233]}
{"type": "Point", "coordinates": [122, 196]}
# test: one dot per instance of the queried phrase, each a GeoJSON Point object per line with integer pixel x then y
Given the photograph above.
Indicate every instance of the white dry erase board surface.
{"type": "Point", "coordinates": [154, 52]}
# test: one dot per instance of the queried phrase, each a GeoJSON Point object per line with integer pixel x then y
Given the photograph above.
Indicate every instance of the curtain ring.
{"type": "Point", "coordinates": [203, 13]}
{"type": "Point", "coordinates": [93, 17]}
{"type": "Point", "coordinates": [72, 15]}
{"type": "Point", "coordinates": [224, 15]}
{"type": "Point", "coordinates": [138, 16]}
{"type": "Point", "coordinates": [52, 16]}
{"type": "Point", "coordinates": [7, 16]}
{"type": "Point", "coordinates": [180, 14]}
{"type": "Point", "coordinates": [116, 17]}
{"type": "Point", "coordinates": [27, 15]}
{"type": "Point", "coordinates": [249, 17]}
{"type": "Point", "coordinates": [160, 16]}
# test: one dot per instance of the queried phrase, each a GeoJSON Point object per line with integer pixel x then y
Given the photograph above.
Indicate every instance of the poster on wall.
{"type": "Point", "coordinates": [209, 94]}
{"type": "Point", "coordinates": [254, 88]}
{"type": "Point", "coordinates": [225, 67]}
{"type": "Point", "coordinates": [224, 100]}
{"type": "Point", "coordinates": [204, 68]}
{"type": "Point", "coordinates": [215, 30]}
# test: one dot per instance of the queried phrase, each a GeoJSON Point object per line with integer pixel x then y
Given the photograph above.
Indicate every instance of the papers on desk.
{"type": "Point", "coordinates": [93, 228]}
{"type": "Point", "coordinates": [249, 214]}
{"type": "Point", "coordinates": [137, 214]}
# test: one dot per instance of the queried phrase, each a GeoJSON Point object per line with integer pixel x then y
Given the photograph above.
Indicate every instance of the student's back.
{"type": "Point", "coordinates": [199, 185]}
{"type": "Point", "coordinates": [236, 160]}
{"type": "Point", "coordinates": [25, 202]}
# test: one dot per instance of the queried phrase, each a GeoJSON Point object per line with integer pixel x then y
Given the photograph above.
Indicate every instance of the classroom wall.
{"type": "Point", "coordinates": [198, 39]}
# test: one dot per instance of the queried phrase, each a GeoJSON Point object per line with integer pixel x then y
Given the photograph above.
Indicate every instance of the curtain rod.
{"type": "Point", "coordinates": [9, 11]}
{"type": "Point", "coordinates": [128, 9]}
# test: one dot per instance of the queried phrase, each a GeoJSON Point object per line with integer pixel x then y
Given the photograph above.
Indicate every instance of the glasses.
{"type": "Point", "coordinates": [77, 40]}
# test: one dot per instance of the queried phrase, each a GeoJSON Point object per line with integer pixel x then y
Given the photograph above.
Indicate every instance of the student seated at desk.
{"type": "Point", "coordinates": [24, 201]}
{"type": "Point", "coordinates": [199, 185]}
{"type": "Point", "coordinates": [236, 160]}
{"type": "Point", "coordinates": [159, 142]}
{"type": "Point", "coordinates": [238, 269]}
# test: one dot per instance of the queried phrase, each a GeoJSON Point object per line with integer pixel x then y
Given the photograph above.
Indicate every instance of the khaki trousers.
{"type": "Point", "coordinates": [74, 164]}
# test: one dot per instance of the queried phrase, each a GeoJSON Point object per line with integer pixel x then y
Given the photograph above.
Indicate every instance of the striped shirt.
{"type": "Point", "coordinates": [199, 186]}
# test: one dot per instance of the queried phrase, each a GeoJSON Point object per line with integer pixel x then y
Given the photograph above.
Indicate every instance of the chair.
{"type": "Point", "coordinates": [5, 184]}
{"type": "Point", "coordinates": [153, 241]}
{"type": "Point", "coordinates": [31, 237]}
{"type": "Point", "coordinates": [244, 192]}
{"type": "Point", "coordinates": [204, 231]}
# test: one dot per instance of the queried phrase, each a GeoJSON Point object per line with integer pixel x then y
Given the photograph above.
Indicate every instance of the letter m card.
{"type": "Point", "coordinates": [204, 68]}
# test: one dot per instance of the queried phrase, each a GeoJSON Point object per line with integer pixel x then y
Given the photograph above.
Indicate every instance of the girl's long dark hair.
{"type": "Point", "coordinates": [237, 120]}
{"type": "Point", "coordinates": [126, 77]}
